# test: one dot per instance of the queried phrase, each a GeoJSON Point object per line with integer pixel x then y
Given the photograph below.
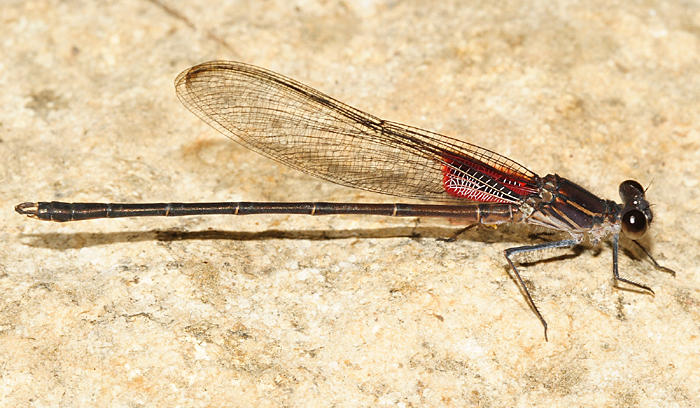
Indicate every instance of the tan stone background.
{"type": "Point", "coordinates": [342, 311]}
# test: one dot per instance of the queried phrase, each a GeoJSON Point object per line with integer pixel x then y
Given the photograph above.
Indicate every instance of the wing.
{"type": "Point", "coordinates": [301, 127]}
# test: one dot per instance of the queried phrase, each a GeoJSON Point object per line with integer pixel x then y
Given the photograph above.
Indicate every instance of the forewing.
{"type": "Point", "coordinates": [301, 127]}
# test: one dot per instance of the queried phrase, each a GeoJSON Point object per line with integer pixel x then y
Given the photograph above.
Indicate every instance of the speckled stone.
{"type": "Point", "coordinates": [342, 311]}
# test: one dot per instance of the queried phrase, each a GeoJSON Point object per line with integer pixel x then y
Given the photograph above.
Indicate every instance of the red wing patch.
{"type": "Point", "coordinates": [475, 181]}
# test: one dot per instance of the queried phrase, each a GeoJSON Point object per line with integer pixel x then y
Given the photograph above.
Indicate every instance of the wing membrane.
{"type": "Point", "coordinates": [307, 130]}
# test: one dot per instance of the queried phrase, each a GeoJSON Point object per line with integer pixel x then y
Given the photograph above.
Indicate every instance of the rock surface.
{"type": "Point", "coordinates": [342, 311]}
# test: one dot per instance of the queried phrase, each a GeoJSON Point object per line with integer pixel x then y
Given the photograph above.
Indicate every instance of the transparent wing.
{"type": "Point", "coordinates": [301, 127]}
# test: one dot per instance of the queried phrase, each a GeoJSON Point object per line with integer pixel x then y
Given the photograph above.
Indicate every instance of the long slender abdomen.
{"type": "Point", "coordinates": [475, 213]}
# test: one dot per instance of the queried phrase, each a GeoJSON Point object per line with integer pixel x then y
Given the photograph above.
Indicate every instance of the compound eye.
{"type": "Point", "coordinates": [634, 224]}
{"type": "Point", "coordinates": [630, 190]}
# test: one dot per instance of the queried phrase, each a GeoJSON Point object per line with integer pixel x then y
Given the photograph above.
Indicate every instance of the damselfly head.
{"type": "Point", "coordinates": [636, 215]}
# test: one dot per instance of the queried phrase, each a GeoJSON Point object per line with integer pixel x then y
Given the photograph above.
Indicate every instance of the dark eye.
{"type": "Point", "coordinates": [630, 190]}
{"type": "Point", "coordinates": [634, 224]}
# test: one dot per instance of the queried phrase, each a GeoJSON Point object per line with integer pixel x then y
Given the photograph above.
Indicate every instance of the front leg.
{"type": "Point", "coordinates": [616, 275]}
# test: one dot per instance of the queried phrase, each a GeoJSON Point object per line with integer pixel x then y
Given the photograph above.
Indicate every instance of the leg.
{"type": "Point", "coordinates": [530, 248]}
{"type": "Point", "coordinates": [616, 275]}
{"type": "Point", "coordinates": [656, 264]}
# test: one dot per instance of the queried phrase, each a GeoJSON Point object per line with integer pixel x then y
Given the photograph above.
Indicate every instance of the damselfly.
{"type": "Point", "coordinates": [307, 130]}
